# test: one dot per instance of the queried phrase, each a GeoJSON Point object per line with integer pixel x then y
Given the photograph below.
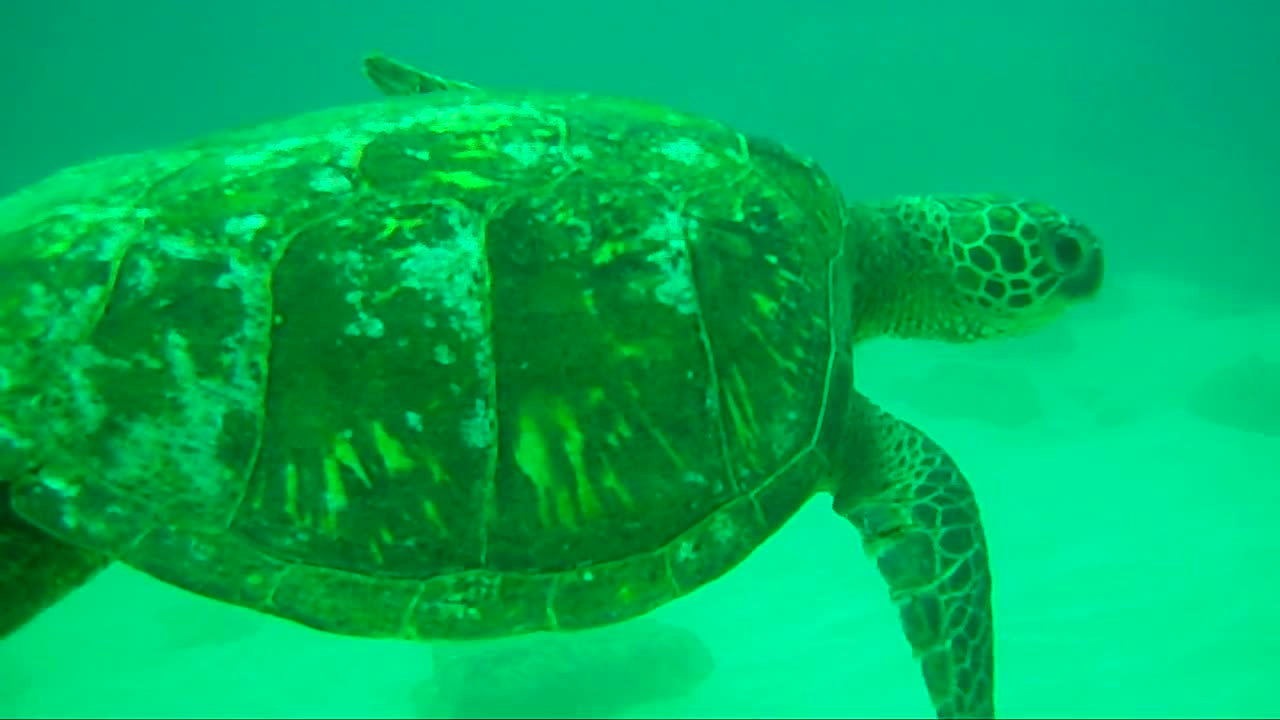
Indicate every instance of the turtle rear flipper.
{"type": "Point", "coordinates": [919, 520]}
{"type": "Point", "coordinates": [395, 78]}
{"type": "Point", "coordinates": [36, 569]}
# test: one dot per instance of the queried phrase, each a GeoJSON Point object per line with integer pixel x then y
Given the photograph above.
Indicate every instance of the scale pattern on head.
{"type": "Point", "coordinates": [979, 266]}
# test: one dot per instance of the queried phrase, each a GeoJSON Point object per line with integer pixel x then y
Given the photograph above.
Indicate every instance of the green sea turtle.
{"type": "Point", "coordinates": [479, 363]}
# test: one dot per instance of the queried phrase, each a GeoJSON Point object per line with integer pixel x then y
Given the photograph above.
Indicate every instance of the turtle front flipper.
{"type": "Point", "coordinates": [36, 569]}
{"type": "Point", "coordinates": [919, 520]}
{"type": "Point", "coordinates": [395, 78]}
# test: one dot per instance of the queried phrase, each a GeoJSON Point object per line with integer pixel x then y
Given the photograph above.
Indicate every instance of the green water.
{"type": "Point", "coordinates": [1125, 461]}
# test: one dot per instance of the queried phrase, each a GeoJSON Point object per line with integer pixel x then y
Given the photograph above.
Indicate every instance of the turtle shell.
{"type": "Point", "coordinates": [457, 365]}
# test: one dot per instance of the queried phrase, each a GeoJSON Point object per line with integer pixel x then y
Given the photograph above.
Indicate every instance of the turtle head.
{"type": "Point", "coordinates": [967, 267]}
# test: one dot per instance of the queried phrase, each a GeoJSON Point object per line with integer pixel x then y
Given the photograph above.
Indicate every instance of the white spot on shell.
{"type": "Point", "coordinates": [328, 180]}
{"type": "Point", "coordinates": [685, 552]}
{"type": "Point", "coordinates": [60, 486]}
{"type": "Point", "coordinates": [451, 272]}
{"type": "Point", "coordinates": [288, 145]}
{"type": "Point", "coordinates": [723, 529]}
{"type": "Point", "coordinates": [686, 152]}
{"type": "Point", "coordinates": [477, 430]}
{"type": "Point", "coordinates": [276, 154]}
{"type": "Point", "coordinates": [349, 144]}
{"type": "Point", "coordinates": [145, 276]}
{"type": "Point", "coordinates": [413, 420]}
{"type": "Point", "coordinates": [525, 153]}
{"type": "Point", "coordinates": [694, 478]}
{"type": "Point", "coordinates": [366, 325]}
{"type": "Point", "coordinates": [245, 225]}
{"type": "Point", "coordinates": [69, 516]}
{"type": "Point", "coordinates": [676, 288]}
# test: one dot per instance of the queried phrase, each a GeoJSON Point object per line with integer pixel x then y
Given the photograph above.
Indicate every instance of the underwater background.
{"type": "Point", "coordinates": [1127, 460]}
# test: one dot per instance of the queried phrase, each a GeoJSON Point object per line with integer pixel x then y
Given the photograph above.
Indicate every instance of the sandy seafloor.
{"type": "Point", "coordinates": [1134, 543]}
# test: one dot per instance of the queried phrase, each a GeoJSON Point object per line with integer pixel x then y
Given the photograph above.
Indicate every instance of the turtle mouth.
{"type": "Point", "coordinates": [1086, 281]}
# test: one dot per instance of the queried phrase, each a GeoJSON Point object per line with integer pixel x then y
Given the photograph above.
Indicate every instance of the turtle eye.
{"type": "Point", "coordinates": [1067, 251]}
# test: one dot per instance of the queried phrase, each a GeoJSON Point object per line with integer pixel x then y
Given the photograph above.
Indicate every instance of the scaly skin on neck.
{"type": "Point", "coordinates": [961, 268]}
